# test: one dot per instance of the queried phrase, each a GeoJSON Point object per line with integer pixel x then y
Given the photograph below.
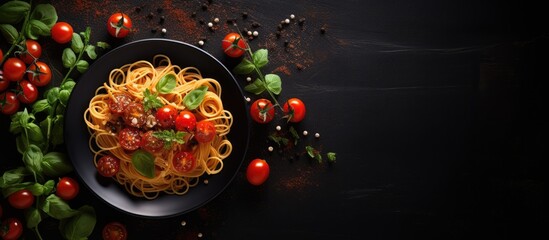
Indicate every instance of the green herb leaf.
{"type": "Point", "coordinates": [57, 130]}
{"type": "Point", "coordinates": [40, 106]}
{"type": "Point", "coordinates": [13, 176]}
{"type": "Point", "coordinates": [244, 67]}
{"type": "Point", "coordinates": [52, 94]}
{"type": "Point", "coordinates": [82, 66]}
{"type": "Point", "coordinates": [294, 134]}
{"type": "Point", "coordinates": [38, 189]}
{"type": "Point", "coordinates": [9, 32]}
{"type": "Point", "coordinates": [260, 58]}
{"type": "Point", "coordinates": [166, 84]}
{"type": "Point", "coordinates": [256, 87]}
{"type": "Point", "coordinates": [274, 84]}
{"type": "Point", "coordinates": [13, 11]}
{"type": "Point", "coordinates": [143, 162]}
{"type": "Point", "coordinates": [86, 34]}
{"type": "Point", "coordinates": [76, 43]}
{"type": "Point", "coordinates": [151, 101]}
{"type": "Point", "coordinates": [68, 58]}
{"type": "Point", "coordinates": [56, 208]}
{"type": "Point", "coordinates": [103, 45]}
{"type": "Point", "coordinates": [81, 225]}
{"type": "Point", "coordinates": [169, 137]}
{"type": "Point", "coordinates": [281, 141]}
{"type": "Point", "coordinates": [90, 50]}
{"type": "Point", "coordinates": [68, 85]}
{"type": "Point", "coordinates": [46, 126]}
{"type": "Point", "coordinates": [6, 191]}
{"type": "Point", "coordinates": [21, 143]}
{"type": "Point", "coordinates": [46, 14]}
{"type": "Point", "coordinates": [331, 157]}
{"type": "Point", "coordinates": [33, 217]}
{"type": "Point", "coordinates": [56, 164]}
{"type": "Point", "coordinates": [32, 158]}
{"type": "Point", "coordinates": [313, 153]}
{"type": "Point", "coordinates": [34, 132]}
{"type": "Point", "coordinates": [36, 28]}
{"type": "Point", "coordinates": [193, 99]}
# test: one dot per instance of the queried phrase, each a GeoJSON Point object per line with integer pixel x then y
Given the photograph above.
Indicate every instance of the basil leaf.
{"type": "Point", "coordinates": [193, 99]}
{"type": "Point", "coordinates": [57, 130]}
{"type": "Point", "coordinates": [32, 158]}
{"type": "Point", "coordinates": [143, 162]}
{"type": "Point", "coordinates": [166, 84]}
{"type": "Point", "coordinates": [38, 189]}
{"type": "Point", "coordinates": [13, 11]}
{"type": "Point", "coordinates": [36, 29]}
{"type": "Point", "coordinates": [46, 14]}
{"type": "Point", "coordinates": [13, 176]}
{"type": "Point", "coordinates": [68, 58]}
{"type": "Point", "coordinates": [33, 217]}
{"type": "Point", "coordinates": [56, 208]}
{"type": "Point", "coordinates": [244, 67]}
{"type": "Point", "coordinates": [257, 87]}
{"type": "Point", "coordinates": [52, 95]}
{"type": "Point", "coordinates": [103, 45]}
{"type": "Point", "coordinates": [9, 32]}
{"type": "Point", "coordinates": [260, 58]}
{"type": "Point", "coordinates": [86, 34]}
{"type": "Point", "coordinates": [34, 132]}
{"type": "Point", "coordinates": [90, 50]}
{"type": "Point", "coordinates": [64, 97]}
{"type": "Point", "coordinates": [45, 125]}
{"type": "Point", "coordinates": [76, 43]}
{"type": "Point", "coordinates": [82, 66]}
{"type": "Point", "coordinates": [15, 187]}
{"type": "Point", "coordinates": [40, 106]}
{"type": "Point", "coordinates": [15, 125]}
{"type": "Point", "coordinates": [68, 85]}
{"type": "Point", "coordinates": [331, 156]}
{"type": "Point", "coordinates": [56, 164]}
{"type": "Point", "coordinates": [81, 225]}
{"type": "Point", "coordinates": [21, 143]}
{"type": "Point", "coordinates": [274, 84]}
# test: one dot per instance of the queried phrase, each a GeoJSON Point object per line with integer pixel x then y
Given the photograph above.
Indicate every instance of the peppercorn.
{"type": "Point", "coordinates": [322, 30]}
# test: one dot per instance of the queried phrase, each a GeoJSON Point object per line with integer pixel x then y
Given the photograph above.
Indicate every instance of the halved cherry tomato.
{"type": "Point", "coordinates": [9, 104]}
{"type": "Point", "coordinates": [39, 74]}
{"type": "Point", "coordinates": [21, 199]}
{"type": "Point", "coordinates": [165, 116]}
{"type": "Point", "coordinates": [205, 131]}
{"type": "Point", "coordinates": [129, 138]}
{"type": "Point", "coordinates": [11, 229]}
{"type": "Point", "coordinates": [134, 115]}
{"type": "Point", "coordinates": [115, 231]}
{"type": "Point", "coordinates": [184, 162]}
{"type": "Point", "coordinates": [185, 121]}
{"type": "Point", "coordinates": [152, 143]}
{"type": "Point", "coordinates": [257, 172]}
{"type": "Point", "coordinates": [32, 52]}
{"type": "Point", "coordinates": [262, 110]}
{"type": "Point", "coordinates": [119, 102]}
{"type": "Point", "coordinates": [294, 109]}
{"type": "Point", "coordinates": [108, 166]}
{"type": "Point", "coordinates": [233, 45]}
{"type": "Point", "coordinates": [14, 69]}
{"type": "Point", "coordinates": [61, 32]}
{"type": "Point", "coordinates": [67, 188]}
{"type": "Point", "coordinates": [119, 25]}
{"type": "Point", "coordinates": [28, 92]}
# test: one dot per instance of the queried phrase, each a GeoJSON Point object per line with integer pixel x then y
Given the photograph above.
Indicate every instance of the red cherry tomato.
{"type": "Point", "coordinates": [4, 84]}
{"type": "Point", "coordinates": [185, 121]}
{"type": "Point", "coordinates": [114, 231]}
{"type": "Point", "coordinates": [129, 138]}
{"type": "Point", "coordinates": [11, 229]}
{"type": "Point", "coordinates": [29, 92]}
{"type": "Point", "coordinates": [165, 116]}
{"type": "Point", "coordinates": [9, 104]}
{"type": "Point", "coordinates": [21, 199]}
{"type": "Point", "coordinates": [184, 162]}
{"type": "Point", "coordinates": [61, 32]}
{"type": "Point", "coordinates": [294, 109]}
{"type": "Point", "coordinates": [33, 51]}
{"type": "Point", "coordinates": [119, 102]}
{"type": "Point", "coordinates": [39, 74]}
{"type": "Point", "coordinates": [1, 55]}
{"type": "Point", "coordinates": [14, 69]}
{"type": "Point", "coordinates": [262, 111]}
{"type": "Point", "coordinates": [152, 143]}
{"type": "Point", "coordinates": [257, 172]}
{"type": "Point", "coordinates": [233, 45]}
{"type": "Point", "coordinates": [108, 166]}
{"type": "Point", "coordinates": [134, 115]}
{"type": "Point", "coordinates": [205, 131]}
{"type": "Point", "coordinates": [119, 25]}
{"type": "Point", "coordinates": [67, 188]}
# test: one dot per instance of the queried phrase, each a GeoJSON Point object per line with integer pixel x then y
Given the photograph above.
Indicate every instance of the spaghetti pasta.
{"type": "Point", "coordinates": [120, 122]}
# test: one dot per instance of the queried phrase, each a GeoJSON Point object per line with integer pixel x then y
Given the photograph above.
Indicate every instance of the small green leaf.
{"type": "Point", "coordinates": [294, 134]}
{"type": "Point", "coordinates": [331, 156]}
{"type": "Point", "coordinates": [33, 217]}
{"type": "Point", "coordinates": [166, 84]}
{"type": "Point", "coordinates": [86, 34]}
{"type": "Point", "coordinates": [82, 66]}
{"type": "Point", "coordinates": [244, 67]}
{"type": "Point", "coordinates": [68, 85]}
{"type": "Point", "coordinates": [57, 130]}
{"type": "Point", "coordinates": [9, 32]}
{"type": "Point", "coordinates": [68, 58]}
{"type": "Point", "coordinates": [143, 162]}
{"type": "Point", "coordinates": [34, 132]}
{"type": "Point", "coordinates": [313, 153]}
{"type": "Point", "coordinates": [103, 45]}
{"type": "Point", "coordinates": [193, 99]}
{"type": "Point", "coordinates": [260, 58]}
{"type": "Point", "coordinates": [36, 29]}
{"type": "Point", "coordinates": [40, 106]}
{"type": "Point", "coordinates": [13, 176]}
{"type": "Point", "coordinates": [56, 208]}
{"type": "Point", "coordinates": [90, 50]}
{"type": "Point", "coordinates": [274, 84]}
{"type": "Point", "coordinates": [64, 96]}
{"type": "Point", "coordinates": [76, 43]}
{"type": "Point", "coordinates": [52, 94]}
{"type": "Point", "coordinates": [81, 225]}
{"type": "Point", "coordinates": [281, 141]}
{"type": "Point", "coordinates": [13, 12]}
{"type": "Point", "coordinates": [32, 158]}
{"type": "Point", "coordinates": [169, 137]}
{"type": "Point", "coordinates": [151, 101]}
{"type": "Point", "coordinates": [46, 14]}
{"type": "Point", "coordinates": [256, 87]}
{"type": "Point", "coordinates": [56, 164]}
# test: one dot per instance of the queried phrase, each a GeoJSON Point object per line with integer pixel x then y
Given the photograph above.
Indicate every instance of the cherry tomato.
{"type": "Point", "coordinates": [1, 55]}
{"type": "Point", "coordinates": [294, 109]}
{"type": "Point", "coordinates": [61, 32]}
{"type": "Point", "coordinates": [67, 188]}
{"type": "Point", "coordinates": [33, 51]}
{"type": "Point", "coordinates": [119, 102]}
{"type": "Point", "coordinates": [14, 69]}
{"type": "Point", "coordinates": [262, 111]}
{"type": "Point", "coordinates": [152, 143]}
{"type": "Point", "coordinates": [129, 138]}
{"type": "Point", "coordinates": [205, 131]}
{"type": "Point", "coordinates": [186, 121]}
{"type": "Point", "coordinates": [9, 104]}
{"type": "Point", "coordinates": [165, 116]}
{"type": "Point", "coordinates": [257, 172]}
{"type": "Point", "coordinates": [4, 84]}
{"type": "Point", "coordinates": [233, 45]}
{"type": "Point", "coordinates": [184, 162]}
{"type": "Point", "coordinates": [135, 115]}
{"type": "Point", "coordinates": [29, 92]}
{"type": "Point", "coordinates": [21, 199]}
{"type": "Point", "coordinates": [11, 229]}
{"type": "Point", "coordinates": [119, 25]}
{"type": "Point", "coordinates": [39, 74]}
{"type": "Point", "coordinates": [115, 231]}
{"type": "Point", "coordinates": [108, 166]}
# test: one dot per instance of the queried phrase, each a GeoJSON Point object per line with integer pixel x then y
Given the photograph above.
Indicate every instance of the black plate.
{"type": "Point", "coordinates": [77, 136]}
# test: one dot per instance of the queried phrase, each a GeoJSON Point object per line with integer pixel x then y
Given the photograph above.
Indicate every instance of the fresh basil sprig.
{"type": "Point", "coordinates": [193, 99]}
{"type": "Point", "coordinates": [150, 100]}
{"type": "Point", "coordinates": [269, 82]}
{"type": "Point", "coordinates": [169, 137]}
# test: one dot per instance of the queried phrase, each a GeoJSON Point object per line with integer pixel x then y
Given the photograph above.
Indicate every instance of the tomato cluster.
{"type": "Point", "coordinates": [26, 72]}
